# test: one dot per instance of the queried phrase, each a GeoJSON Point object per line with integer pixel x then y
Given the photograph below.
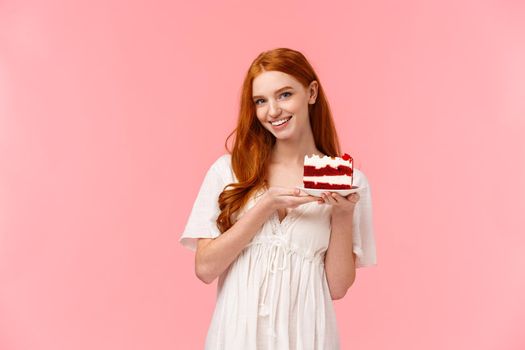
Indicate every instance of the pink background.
{"type": "Point", "coordinates": [112, 111]}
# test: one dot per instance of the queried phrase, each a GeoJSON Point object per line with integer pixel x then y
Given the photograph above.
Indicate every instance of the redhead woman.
{"type": "Point", "coordinates": [281, 256]}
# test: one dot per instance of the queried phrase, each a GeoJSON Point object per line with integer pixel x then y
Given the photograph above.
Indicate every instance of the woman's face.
{"type": "Point", "coordinates": [278, 97]}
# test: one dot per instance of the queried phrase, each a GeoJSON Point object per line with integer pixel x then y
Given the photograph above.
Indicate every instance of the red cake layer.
{"type": "Point", "coordinates": [325, 186]}
{"type": "Point", "coordinates": [310, 170]}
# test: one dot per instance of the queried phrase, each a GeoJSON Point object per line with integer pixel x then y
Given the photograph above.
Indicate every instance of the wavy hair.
{"type": "Point", "coordinates": [253, 143]}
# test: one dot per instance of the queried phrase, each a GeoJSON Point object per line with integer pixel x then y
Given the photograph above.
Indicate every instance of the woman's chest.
{"type": "Point", "coordinates": [307, 226]}
{"type": "Point", "coordinates": [284, 176]}
{"type": "Point", "coordinates": [287, 177]}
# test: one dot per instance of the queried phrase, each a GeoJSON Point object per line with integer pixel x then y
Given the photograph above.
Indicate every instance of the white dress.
{"type": "Point", "coordinates": [275, 294]}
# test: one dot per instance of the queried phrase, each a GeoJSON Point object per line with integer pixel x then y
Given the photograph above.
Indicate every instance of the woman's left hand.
{"type": "Point", "coordinates": [340, 204]}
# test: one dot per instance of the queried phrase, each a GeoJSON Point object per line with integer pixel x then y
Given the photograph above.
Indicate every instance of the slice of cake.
{"type": "Point", "coordinates": [328, 173]}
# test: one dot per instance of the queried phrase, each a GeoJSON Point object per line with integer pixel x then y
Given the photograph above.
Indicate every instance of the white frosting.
{"type": "Point", "coordinates": [323, 161]}
{"type": "Point", "coordinates": [333, 180]}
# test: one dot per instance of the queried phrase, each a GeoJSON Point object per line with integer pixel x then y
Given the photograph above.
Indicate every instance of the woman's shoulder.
{"type": "Point", "coordinates": [222, 165]}
{"type": "Point", "coordinates": [222, 162]}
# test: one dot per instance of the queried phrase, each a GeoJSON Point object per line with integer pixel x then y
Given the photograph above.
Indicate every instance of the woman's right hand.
{"type": "Point", "coordinates": [278, 197]}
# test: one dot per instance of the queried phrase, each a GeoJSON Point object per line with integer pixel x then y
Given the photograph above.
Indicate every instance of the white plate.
{"type": "Point", "coordinates": [317, 192]}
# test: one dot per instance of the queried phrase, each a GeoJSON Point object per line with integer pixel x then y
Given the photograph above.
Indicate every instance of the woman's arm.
{"type": "Point", "coordinates": [213, 256]}
{"type": "Point", "coordinates": [340, 259]}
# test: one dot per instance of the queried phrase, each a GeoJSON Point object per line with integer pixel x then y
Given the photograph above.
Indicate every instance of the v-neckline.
{"type": "Point", "coordinates": [285, 216]}
{"type": "Point", "coordinates": [290, 217]}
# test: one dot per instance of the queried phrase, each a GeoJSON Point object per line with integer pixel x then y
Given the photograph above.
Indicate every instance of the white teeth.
{"type": "Point", "coordinates": [280, 122]}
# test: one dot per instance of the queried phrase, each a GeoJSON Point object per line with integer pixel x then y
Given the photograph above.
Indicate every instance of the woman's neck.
{"type": "Point", "coordinates": [292, 153]}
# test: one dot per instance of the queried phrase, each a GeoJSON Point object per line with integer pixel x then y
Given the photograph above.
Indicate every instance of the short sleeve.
{"type": "Point", "coordinates": [363, 230]}
{"type": "Point", "coordinates": [202, 220]}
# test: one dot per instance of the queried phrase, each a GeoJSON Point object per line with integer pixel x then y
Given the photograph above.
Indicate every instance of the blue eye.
{"type": "Point", "coordinates": [256, 101]}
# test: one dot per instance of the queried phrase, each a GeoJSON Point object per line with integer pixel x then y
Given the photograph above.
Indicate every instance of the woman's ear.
{"type": "Point", "coordinates": [312, 89]}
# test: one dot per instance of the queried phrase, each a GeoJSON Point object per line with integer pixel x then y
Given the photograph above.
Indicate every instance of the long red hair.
{"type": "Point", "coordinates": [253, 143]}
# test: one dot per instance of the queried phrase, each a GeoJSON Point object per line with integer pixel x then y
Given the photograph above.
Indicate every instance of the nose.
{"type": "Point", "coordinates": [274, 109]}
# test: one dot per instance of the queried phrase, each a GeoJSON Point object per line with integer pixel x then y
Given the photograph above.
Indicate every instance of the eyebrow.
{"type": "Point", "coordinates": [276, 91]}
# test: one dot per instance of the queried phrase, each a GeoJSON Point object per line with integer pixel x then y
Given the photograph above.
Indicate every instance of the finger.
{"type": "Point", "coordinates": [300, 193]}
{"type": "Point", "coordinates": [303, 200]}
{"type": "Point", "coordinates": [307, 199]}
{"type": "Point", "coordinates": [354, 197]}
{"type": "Point", "coordinates": [328, 198]}
{"type": "Point", "coordinates": [287, 191]}
{"type": "Point", "coordinates": [336, 197]}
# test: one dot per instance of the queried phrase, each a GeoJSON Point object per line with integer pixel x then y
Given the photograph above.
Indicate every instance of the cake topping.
{"type": "Point", "coordinates": [346, 156]}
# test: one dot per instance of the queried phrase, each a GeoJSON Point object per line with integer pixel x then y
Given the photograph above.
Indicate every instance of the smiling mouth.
{"type": "Point", "coordinates": [281, 121]}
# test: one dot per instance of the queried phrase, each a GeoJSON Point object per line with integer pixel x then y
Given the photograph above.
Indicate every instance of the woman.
{"type": "Point", "coordinates": [280, 258]}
